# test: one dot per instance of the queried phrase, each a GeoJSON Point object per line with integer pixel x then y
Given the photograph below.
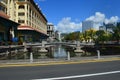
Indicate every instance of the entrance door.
{"type": "Point", "coordinates": [1, 36]}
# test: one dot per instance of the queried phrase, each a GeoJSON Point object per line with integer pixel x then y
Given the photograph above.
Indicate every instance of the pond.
{"type": "Point", "coordinates": [55, 51]}
{"type": "Point", "coordinates": [59, 52]}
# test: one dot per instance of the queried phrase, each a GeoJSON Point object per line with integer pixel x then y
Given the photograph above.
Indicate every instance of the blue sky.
{"type": "Point", "coordinates": [67, 15]}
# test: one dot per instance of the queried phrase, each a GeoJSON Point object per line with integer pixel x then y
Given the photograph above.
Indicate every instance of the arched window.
{"type": "Point", "coordinates": [21, 7]}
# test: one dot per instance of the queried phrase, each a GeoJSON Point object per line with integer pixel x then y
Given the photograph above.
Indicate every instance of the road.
{"type": "Point", "coordinates": [80, 71]}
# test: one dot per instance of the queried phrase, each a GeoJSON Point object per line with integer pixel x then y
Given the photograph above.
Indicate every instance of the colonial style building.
{"type": "Point", "coordinates": [3, 8]}
{"type": "Point", "coordinates": [50, 31]}
{"type": "Point", "coordinates": [33, 23]}
{"type": "Point", "coordinates": [8, 28]}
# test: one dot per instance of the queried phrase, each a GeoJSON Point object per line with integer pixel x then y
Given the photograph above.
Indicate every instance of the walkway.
{"type": "Point", "coordinates": [48, 61]}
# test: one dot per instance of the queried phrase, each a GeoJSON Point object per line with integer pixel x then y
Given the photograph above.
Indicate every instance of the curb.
{"type": "Point", "coordinates": [27, 64]}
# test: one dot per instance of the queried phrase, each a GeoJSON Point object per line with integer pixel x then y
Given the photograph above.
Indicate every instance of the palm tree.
{"type": "Point", "coordinates": [89, 35]}
{"type": "Point", "coordinates": [92, 33]}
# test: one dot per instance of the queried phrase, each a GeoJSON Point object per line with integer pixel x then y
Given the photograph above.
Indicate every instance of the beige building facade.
{"type": "Point", "coordinates": [8, 28]}
{"type": "Point", "coordinates": [27, 13]}
{"type": "Point", "coordinates": [3, 6]}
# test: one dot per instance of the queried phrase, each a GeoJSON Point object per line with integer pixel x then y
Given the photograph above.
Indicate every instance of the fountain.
{"type": "Point", "coordinates": [59, 52]}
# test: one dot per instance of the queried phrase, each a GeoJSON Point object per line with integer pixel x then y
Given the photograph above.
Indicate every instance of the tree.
{"type": "Point", "coordinates": [89, 35]}
{"type": "Point", "coordinates": [81, 37]}
{"type": "Point", "coordinates": [116, 33]}
{"type": "Point", "coordinates": [92, 33]}
{"type": "Point", "coordinates": [102, 36]}
{"type": "Point", "coordinates": [72, 36]}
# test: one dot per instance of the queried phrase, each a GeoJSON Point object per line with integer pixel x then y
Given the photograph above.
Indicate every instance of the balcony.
{"type": "Point", "coordinates": [3, 3]}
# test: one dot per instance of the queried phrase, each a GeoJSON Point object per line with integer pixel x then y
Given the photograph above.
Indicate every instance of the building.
{"type": "Point", "coordinates": [102, 28]}
{"type": "Point", "coordinates": [33, 23]}
{"type": "Point", "coordinates": [50, 31]}
{"type": "Point", "coordinates": [8, 28]}
{"type": "Point", "coordinates": [86, 25]}
{"type": "Point", "coordinates": [108, 27]}
{"type": "Point", "coordinates": [3, 9]}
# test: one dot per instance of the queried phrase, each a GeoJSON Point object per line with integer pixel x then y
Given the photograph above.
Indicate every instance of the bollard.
{"type": "Point", "coordinates": [68, 56]}
{"type": "Point", "coordinates": [31, 54]}
{"type": "Point", "coordinates": [98, 54]}
{"type": "Point", "coordinates": [31, 57]}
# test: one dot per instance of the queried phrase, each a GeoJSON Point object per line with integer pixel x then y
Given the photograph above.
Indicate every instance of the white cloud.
{"type": "Point", "coordinates": [99, 18]}
{"type": "Point", "coordinates": [112, 19]}
{"type": "Point", "coordinates": [66, 25]}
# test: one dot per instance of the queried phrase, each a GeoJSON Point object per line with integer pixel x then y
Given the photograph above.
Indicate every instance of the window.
{"type": "Point", "coordinates": [2, 8]}
{"type": "Point", "coordinates": [21, 14]}
{"type": "Point", "coordinates": [21, 21]}
{"type": "Point", "coordinates": [21, 7]}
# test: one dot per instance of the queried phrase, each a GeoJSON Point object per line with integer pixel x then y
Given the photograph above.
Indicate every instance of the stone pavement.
{"type": "Point", "coordinates": [72, 59]}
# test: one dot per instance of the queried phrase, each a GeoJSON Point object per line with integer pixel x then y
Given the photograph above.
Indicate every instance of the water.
{"type": "Point", "coordinates": [59, 52]}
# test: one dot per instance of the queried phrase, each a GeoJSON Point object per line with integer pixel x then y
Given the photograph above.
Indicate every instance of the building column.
{"type": "Point", "coordinates": [26, 14]}
{"type": "Point", "coordinates": [31, 17]}
{"type": "Point", "coordinates": [8, 7]}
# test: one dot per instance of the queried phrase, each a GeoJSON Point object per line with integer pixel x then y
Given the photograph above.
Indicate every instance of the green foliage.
{"type": "Point", "coordinates": [96, 36]}
{"type": "Point", "coordinates": [103, 36]}
{"type": "Point", "coordinates": [72, 36]}
{"type": "Point", "coordinates": [116, 32]}
{"type": "Point", "coordinates": [88, 35]}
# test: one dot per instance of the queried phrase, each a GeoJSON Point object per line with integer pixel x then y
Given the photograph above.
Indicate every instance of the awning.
{"type": "Point", "coordinates": [7, 22]}
{"type": "Point", "coordinates": [22, 27]}
{"type": "Point", "coordinates": [25, 28]}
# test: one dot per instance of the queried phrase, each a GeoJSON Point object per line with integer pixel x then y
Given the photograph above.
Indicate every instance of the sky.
{"type": "Point", "coordinates": [68, 15]}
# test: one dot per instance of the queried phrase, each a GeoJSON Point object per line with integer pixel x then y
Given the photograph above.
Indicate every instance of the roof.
{"type": "Point", "coordinates": [24, 27]}
{"type": "Point", "coordinates": [4, 15]}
